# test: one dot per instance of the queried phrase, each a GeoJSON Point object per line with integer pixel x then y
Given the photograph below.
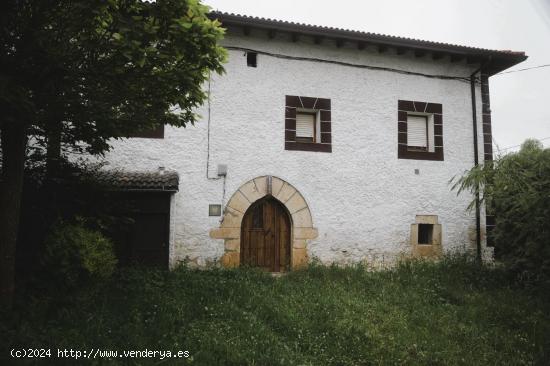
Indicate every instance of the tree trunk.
{"type": "Point", "coordinates": [51, 187]}
{"type": "Point", "coordinates": [14, 142]}
{"type": "Point", "coordinates": [53, 150]}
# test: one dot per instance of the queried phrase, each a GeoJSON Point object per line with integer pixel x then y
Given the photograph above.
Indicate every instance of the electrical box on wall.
{"type": "Point", "coordinates": [222, 170]}
{"type": "Point", "coordinates": [214, 210]}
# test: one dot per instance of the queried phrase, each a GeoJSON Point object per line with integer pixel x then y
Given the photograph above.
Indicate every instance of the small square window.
{"type": "Point", "coordinates": [258, 217]}
{"type": "Point", "coordinates": [425, 233]}
{"type": "Point", "coordinates": [251, 59]}
{"type": "Point", "coordinates": [306, 126]}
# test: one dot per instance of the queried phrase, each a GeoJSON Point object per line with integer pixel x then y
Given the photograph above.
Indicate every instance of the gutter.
{"type": "Point", "coordinates": [476, 157]}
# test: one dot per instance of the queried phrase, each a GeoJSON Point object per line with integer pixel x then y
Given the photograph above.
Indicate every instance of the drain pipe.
{"type": "Point", "coordinates": [208, 132]}
{"type": "Point", "coordinates": [476, 158]}
{"type": "Point", "coordinates": [222, 169]}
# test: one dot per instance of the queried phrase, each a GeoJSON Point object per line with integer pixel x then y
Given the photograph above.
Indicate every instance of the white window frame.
{"type": "Point", "coordinates": [316, 122]}
{"type": "Point", "coordinates": [430, 130]}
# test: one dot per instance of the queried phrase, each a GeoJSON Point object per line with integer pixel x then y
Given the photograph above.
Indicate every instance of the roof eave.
{"type": "Point", "coordinates": [497, 60]}
{"type": "Point", "coordinates": [500, 64]}
{"type": "Point", "coordinates": [156, 190]}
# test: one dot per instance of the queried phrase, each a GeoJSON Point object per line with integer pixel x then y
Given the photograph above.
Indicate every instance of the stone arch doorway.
{"type": "Point", "coordinates": [298, 212]}
{"type": "Point", "coordinates": [265, 236]}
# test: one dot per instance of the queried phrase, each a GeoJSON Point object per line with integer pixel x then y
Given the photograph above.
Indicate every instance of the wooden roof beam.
{"type": "Point", "coordinates": [473, 60]}
{"type": "Point", "coordinates": [456, 58]}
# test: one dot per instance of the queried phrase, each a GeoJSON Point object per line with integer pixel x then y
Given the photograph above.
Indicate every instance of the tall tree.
{"type": "Point", "coordinates": [77, 73]}
{"type": "Point", "coordinates": [516, 188]}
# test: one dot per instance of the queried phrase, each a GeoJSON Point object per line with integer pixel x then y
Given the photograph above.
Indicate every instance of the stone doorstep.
{"type": "Point", "coordinates": [299, 258]}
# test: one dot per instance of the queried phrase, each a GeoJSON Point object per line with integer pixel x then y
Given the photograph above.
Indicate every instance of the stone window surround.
{"type": "Point", "coordinates": [322, 105]}
{"type": "Point", "coordinates": [433, 250]}
{"type": "Point", "coordinates": [406, 107]}
{"type": "Point", "coordinates": [301, 224]}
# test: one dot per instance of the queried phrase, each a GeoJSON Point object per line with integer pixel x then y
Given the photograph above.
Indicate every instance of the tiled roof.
{"type": "Point", "coordinates": [167, 181]}
{"type": "Point", "coordinates": [497, 60]}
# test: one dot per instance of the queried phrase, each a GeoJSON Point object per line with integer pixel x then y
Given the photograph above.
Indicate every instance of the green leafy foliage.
{"type": "Point", "coordinates": [77, 194]}
{"type": "Point", "coordinates": [516, 189]}
{"type": "Point", "coordinates": [92, 70]}
{"type": "Point", "coordinates": [454, 312]}
{"type": "Point", "coordinates": [77, 74]}
{"type": "Point", "coordinates": [75, 254]}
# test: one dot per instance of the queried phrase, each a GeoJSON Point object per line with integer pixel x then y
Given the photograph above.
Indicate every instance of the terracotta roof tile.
{"type": "Point", "coordinates": [498, 60]}
{"type": "Point", "coordinates": [143, 181]}
{"type": "Point", "coordinates": [222, 15]}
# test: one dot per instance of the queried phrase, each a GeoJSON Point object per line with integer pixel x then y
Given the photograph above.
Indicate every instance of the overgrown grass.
{"type": "Point", "coordinates": [420, 313]}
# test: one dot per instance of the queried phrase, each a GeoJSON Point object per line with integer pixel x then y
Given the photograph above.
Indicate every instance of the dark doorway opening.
{"type": "Point", "coordinates": [142, 238]}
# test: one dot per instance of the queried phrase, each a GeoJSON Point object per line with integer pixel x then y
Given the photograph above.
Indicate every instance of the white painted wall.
{"type": "Point", "coordinates": [362, 198]}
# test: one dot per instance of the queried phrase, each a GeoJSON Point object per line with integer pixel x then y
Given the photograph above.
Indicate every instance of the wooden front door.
{"type": "Point", "coordinates": [265, 236]}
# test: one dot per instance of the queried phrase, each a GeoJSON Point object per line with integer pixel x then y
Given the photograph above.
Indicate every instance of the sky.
{"type": "Point", "coordinates": [519, 100]}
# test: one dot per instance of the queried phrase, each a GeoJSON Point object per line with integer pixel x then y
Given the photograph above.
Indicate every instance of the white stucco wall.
{"type": "Point", "coordinates": [361, 196]}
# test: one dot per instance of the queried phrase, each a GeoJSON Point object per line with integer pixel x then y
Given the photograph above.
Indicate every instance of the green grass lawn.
{"type": "Point", "coordinates": [449, 313]}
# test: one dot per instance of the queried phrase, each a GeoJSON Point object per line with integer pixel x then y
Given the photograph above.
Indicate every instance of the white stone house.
{"type": "Point", "coordinates": [323, 143]}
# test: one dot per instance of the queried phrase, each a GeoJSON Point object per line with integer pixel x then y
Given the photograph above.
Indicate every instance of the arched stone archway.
{"type": "Point", "coordinates": [301, 220]}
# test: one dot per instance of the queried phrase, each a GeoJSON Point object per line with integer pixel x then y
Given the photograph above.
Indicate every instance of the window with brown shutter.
{"type": "Point", "coordinates": [419, 130]}
{"type": "Point", "coordinates": [308, 125]}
